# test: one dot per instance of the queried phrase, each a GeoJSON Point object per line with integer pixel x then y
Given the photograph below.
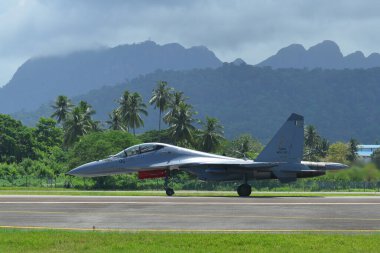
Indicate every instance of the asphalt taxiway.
{"type": "Point", "coordinates": [340, 214]}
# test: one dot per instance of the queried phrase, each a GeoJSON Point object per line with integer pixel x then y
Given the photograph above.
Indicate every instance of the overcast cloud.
{"type": "Point", "coordinates": [249, 29]}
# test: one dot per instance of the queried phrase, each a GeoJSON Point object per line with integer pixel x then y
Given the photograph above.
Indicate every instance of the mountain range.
{"type": "Point", "coordinates": [39, 80]}
{"type": "Point", "coordinates": [341, 102]}
{"type": "Point", "coordinates": [326, 55]}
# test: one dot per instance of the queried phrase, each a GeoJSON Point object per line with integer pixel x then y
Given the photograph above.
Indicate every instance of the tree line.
{"type": "Point", "coordinates": [173, 109]}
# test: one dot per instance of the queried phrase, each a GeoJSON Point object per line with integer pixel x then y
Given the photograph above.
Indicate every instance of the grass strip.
{"type": "Point", "coordinates": [14, 240]}
{"type": "Point", "coordinates": [61, 192]}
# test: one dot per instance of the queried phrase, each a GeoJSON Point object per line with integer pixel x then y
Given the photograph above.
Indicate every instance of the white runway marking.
{"type": "Point", "coordinates": [213, 216]}
{"type": "Point", "coordinates": [29, 212]}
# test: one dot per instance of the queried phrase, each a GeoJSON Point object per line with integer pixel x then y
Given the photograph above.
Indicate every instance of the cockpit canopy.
{"type": "Point", "coordinates": [138, 149]}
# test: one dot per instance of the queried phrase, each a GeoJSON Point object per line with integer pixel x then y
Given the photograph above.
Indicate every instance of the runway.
{"type": "Point", "coordinates": [271, 214]}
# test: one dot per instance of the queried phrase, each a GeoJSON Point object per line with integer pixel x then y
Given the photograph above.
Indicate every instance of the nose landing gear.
{"type": "Point", "coordinates": [169, 191]}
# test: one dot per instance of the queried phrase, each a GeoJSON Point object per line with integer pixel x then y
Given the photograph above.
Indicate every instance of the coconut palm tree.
{"type": "Point", "coordinates": [86, 109]}
{"type": "Point", "coordinates": [136, 108]}
{"type": "Point", "coordinates": [244, 146]}
{"type": "Point", "coordinates": [177, 98]}
{"type": "Point", "coordinates": [211, 135]}
{"type": "Point", "coordinates": [76, 125]}
{"type": "Point", "coordinates": [181, 128]}
{"type": "Point", "coordinates": [311, 136]}
{"type": "Point", "coordinates": [122, 110]}
{"type": "Point", "coordinates": [312, 143]}
{"type": "Point", "coordinates": [161, 97]}
{"type": "Point", "coordinates": [62, 107]}
{"type": "Point", "coordinates": [323, 147]}
{"type": "Point", "coordinates": [115, 122]}
{"type": "Point", "coordinates": [88, 112]}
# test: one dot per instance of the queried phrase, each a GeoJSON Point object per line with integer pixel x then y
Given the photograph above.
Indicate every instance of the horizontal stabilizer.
{"type": "Point", "coordinates": [324, 165]}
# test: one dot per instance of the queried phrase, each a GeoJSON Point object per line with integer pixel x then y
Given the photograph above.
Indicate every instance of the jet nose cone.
{"type": "Point", "coordinates": [73, 172]}
{"type": "Point", "coordinates": [76, 171]}
{"type": "Point", "coordinates": [83, 170]}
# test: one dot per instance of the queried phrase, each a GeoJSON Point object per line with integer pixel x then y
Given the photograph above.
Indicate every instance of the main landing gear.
{"type": "Point", "coordinates": [244, 190]}
{"type": "Point", "coordinates": [169, 191]}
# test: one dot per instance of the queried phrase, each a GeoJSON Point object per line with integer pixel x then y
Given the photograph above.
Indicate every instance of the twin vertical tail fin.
{"type": "Point", "coordinates": [287, 144]}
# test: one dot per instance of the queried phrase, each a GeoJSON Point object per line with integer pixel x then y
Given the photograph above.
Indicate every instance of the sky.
{"type": "Point", "coordinates": [249, 29]}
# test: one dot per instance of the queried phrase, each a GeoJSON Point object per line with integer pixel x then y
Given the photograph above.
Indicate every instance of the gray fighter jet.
{"type": "Point", "coordinates": [281, 159]}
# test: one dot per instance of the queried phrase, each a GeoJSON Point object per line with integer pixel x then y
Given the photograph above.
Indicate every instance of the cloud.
{"type": "Point", "coordinates": [250, 29]}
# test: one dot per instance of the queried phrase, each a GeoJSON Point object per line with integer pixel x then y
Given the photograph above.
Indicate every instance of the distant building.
{"type": "Point", "coordinates": [365, 151]}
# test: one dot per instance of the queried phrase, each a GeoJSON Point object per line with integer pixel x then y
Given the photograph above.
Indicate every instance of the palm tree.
{"type": "Point", "coordinates": [211, 135]}
{"type": "Point", "coordinates": [86, 109]}
{"type": "Point", "coordinates": [161, 97]}
{"type": "Point", "coordinates": [122, 110]}
{"type": "Point", "coordinates": [88, 112]}
{"type": "Point", "coordinates": [181, 129]}
{"type": "Point", "coordinates": [115, 122]}
{"type": "Point", "coordinates": [244, 146]}
{"type": "Point", "coordinates": [62, 107]}
{"type": "Point", "coordinates": [76, 125]}
{"type": "Point", "coordinates": [323, 147]}
{"type": "Point", "coordinates": [177, 98]}
{"type": "Point", "coordinates": [136, 108]}
{"type": "Point", "coordinates": [311, 136]}
{"type": "Point", "coordinates": [313, 143]}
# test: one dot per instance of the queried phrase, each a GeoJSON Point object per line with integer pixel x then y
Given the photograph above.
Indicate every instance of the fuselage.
{"type": "Point", "coordinates": [160, 156]}
{"type": "Point", "coordinates": [155, 156]}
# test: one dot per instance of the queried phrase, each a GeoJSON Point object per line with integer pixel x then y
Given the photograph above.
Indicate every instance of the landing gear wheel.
{"type": "Point", "coordinates": [169, 191]}
{"type": "Point", "coordinates": [244, 190]}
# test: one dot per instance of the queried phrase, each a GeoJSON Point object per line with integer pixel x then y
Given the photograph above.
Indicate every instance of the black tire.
{"type": "Point", "coordinates": [239, 190]}
{"type": "Point", "coordinates": [169, 192]}
{"type": "Point", "coordinates": [244, 190]}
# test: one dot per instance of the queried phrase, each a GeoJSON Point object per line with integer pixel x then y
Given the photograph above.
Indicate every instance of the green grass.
{"type": "Point", "coordinates": [73, 192]}
{"type": "Point", "coordinates": [12, 240]}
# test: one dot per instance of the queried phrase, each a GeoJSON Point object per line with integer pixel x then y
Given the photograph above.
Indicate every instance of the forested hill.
{"type": "Point", "coordinates": [340, 103]}
{"type": "Point", "coordinates": [41, 79]}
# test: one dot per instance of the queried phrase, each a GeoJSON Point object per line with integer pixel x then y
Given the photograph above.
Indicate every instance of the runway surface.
{"type": "Point", "coordinates": [361, 214]}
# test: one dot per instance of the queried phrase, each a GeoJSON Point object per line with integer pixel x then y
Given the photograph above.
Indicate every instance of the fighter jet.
{"type": "Point", "coordinates": [281, 159]}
